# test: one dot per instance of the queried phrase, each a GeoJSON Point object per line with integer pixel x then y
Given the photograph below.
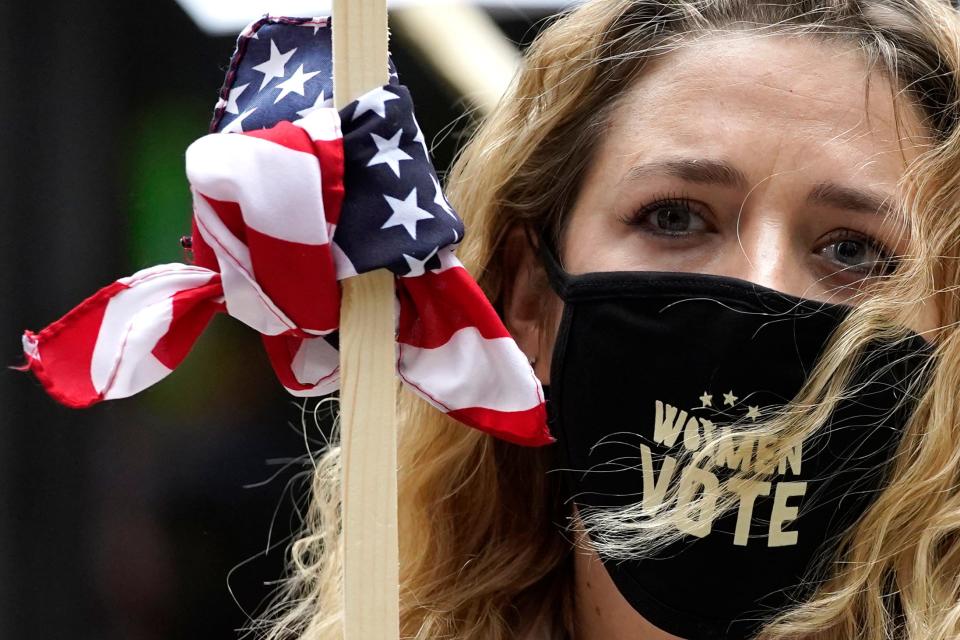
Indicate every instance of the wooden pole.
{"type": "Point", "coordinates": [367, 373]}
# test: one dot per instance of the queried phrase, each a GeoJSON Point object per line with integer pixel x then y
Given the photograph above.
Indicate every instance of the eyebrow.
{"type": "Point", "coordinates": [725, 174]}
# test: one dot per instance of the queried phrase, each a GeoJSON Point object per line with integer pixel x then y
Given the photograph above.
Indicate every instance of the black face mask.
{"type": "Point", "coordinates": [644, 363]}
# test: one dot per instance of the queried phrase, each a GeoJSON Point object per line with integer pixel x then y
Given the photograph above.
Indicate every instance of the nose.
{"type": "Point", "coordinates": [766, 252]}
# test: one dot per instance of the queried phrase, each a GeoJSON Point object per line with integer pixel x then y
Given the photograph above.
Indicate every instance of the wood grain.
{"type": "Point", "coordinates": [367, 373]}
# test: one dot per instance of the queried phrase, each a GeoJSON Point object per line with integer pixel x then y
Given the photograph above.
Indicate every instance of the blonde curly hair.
{"type": "Point", "coordinates": [483, 551]}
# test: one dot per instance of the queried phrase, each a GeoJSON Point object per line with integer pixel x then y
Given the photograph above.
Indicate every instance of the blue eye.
{"type": "Point", "coordinates": [857, 253]}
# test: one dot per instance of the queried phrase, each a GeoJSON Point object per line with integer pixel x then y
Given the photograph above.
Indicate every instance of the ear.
{"type": "Point", "coordinates": [531, 310]}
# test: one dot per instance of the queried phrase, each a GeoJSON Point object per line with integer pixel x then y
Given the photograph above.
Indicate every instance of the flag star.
{"type": "Point", "coordinates": [706, 399]}
{"type": "Point", "coordinates": [232, 99]}
{"type": "Point", "coordinates": [316, 23]}
{"type": "Point", "coordinates": [729, 399]}
{"type": "Point", "coordinates": [753, 412]}
{"type": "Point", "coordinates": [439, 200]}
{"type": "Point", "coordinates": [294, 84]}
{"type": "Point", "coordinates": [389, 152]}
{"type": "Point", "coordinates": [406, 213]}
{"type": "Point", "coordinates": [236, 125]}
{"type": "Point", "coordinates": [374, 101]}
{"type": "Point", "coordinates": [320, 103]}
{"type": "Point", "coordinates": [417, 267]}
{"type": "Point", "coordinates": [273, 68]}
{"type": "Point", "coordinates": [419, 139]}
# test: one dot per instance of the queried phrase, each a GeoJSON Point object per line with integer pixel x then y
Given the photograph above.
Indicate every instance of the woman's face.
{"type": "Point", "coordinates": [749, 157]}
{"type": "Point", "coordinates": [755, 158]}
{"type": "Point", "coordinates": [752, 158]}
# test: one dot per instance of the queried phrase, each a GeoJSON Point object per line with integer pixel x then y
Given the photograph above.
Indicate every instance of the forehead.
{"type": "Point", "coordinates": [770, 99]}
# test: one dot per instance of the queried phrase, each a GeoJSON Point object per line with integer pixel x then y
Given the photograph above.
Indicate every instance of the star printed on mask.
{"type": "Point", "coordinates": [236, 125]}
{"type": "Point", "coordinates": [273, 67]}
{"type": "Point", "coordinates": [389, 152]}
{"type": "Point", "coordinates": [321, 102]}
{"type": "Point", "coordinates": [706, 399]}
{"type": "Point", "coordinates": [729, 399]}
{"type": "Point", "coordinates": [374, 101]}
{"type": "Point", "coordinates": [753, 412]}
{"type": "Point", "coordinates": [235, 93]}
{"type": "Point", "coordinates": [406, 213]}
{"type": "Point", "coordinates": [294, 84]}
{"type": "Point", "coordinates": [418, 267]}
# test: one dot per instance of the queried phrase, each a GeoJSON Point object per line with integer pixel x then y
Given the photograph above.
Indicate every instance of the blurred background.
{"type": "Point", "coordinates": [165, 515]}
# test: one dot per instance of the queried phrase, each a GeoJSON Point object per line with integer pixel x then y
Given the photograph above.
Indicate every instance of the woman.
{"type": "Point", "coordinates": [807, 147]}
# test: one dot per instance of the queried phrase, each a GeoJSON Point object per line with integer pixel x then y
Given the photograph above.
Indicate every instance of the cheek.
{"type": "Point", "coordinates": [929, 322]}
{"type": "Point", "coordinates": [596, 240]}
{"type": "Point", "coordinates": [585, 238]}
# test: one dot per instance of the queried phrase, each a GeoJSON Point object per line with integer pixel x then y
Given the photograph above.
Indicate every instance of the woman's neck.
{"type": "Point", "coordinates": [600, 611]}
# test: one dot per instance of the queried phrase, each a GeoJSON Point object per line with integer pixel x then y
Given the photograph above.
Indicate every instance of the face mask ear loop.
{"type": "Point", "coordinates": [558, 277]}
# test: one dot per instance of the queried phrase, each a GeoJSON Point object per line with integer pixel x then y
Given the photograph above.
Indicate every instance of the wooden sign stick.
{"type": "Point", "coordinates": [367, 373]}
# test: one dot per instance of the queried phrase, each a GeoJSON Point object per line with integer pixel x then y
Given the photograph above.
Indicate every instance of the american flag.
{"type": "Point", "coordinates": [290, 196]}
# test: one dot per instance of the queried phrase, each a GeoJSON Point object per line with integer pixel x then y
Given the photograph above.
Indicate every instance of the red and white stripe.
{"type": "Point", "coordinates": [266, 206]}
{"type": "Point", "coordinates": [126, 337]}
{"type": "Point", "coordinates": [454, 352]}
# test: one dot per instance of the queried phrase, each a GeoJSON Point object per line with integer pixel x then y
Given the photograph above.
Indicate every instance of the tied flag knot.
{"type": "Point", "coordinates": [291, 196]}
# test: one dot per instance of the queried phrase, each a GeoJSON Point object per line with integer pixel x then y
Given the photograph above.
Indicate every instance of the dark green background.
{"type": "Point", "coordinates": [161, 515]}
